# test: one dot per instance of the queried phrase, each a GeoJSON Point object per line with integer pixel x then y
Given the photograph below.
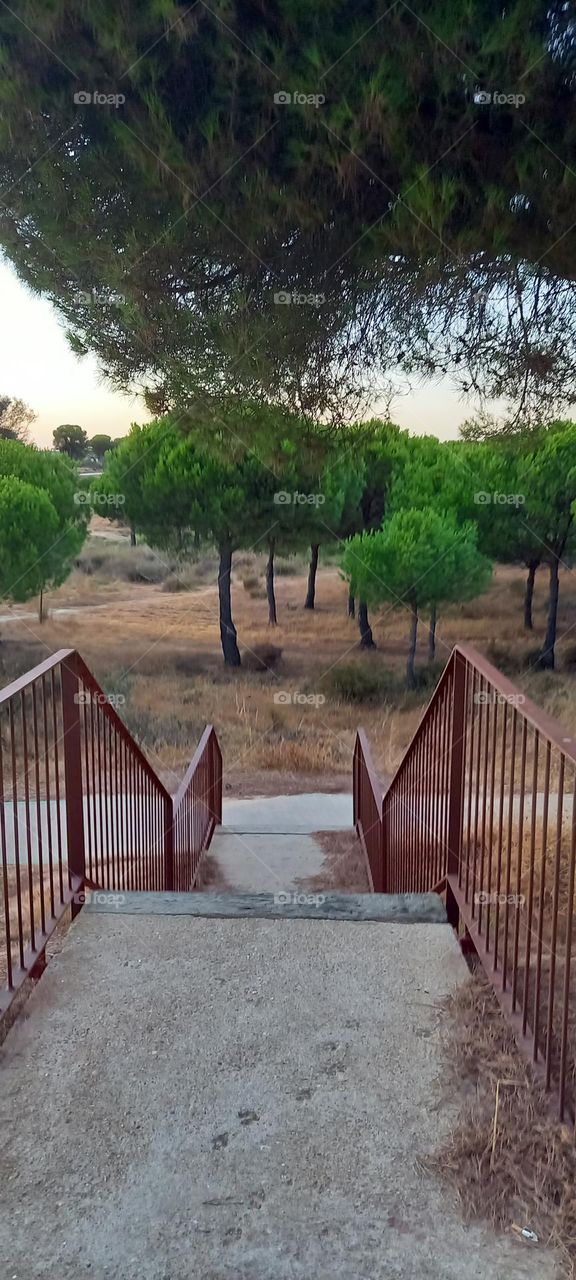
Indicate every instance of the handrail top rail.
{"type": "Point", "coordinates": [550, 728]}
{"type": "Point", "coordinates": [111, 714]}
{"type": "Point", "coordinates": [546, 724]}
{"type": "Point", "coordinates": [42, 669]}
{"type": "Point", "coordinates": [375, 780]}
{"type": "Point", "coordinates": [200, 749]}
{"type": "Point", "coordinates": [63, 657]}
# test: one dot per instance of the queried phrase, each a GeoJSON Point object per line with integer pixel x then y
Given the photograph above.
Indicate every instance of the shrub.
{"type": "Point", "coordinates": [174, 583]}
{"type": "Point", "coordinates": [262, 657]}
{"type": "Point", "coordinates": [285, 568]}
{"type": "Point", "coordinates": [355, 683]}
{"type": "Point", "coordinates": [114, 561]}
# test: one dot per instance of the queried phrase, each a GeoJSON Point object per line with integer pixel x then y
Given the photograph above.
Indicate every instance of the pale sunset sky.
{"type": "Point", "coordinates": [37, 365]}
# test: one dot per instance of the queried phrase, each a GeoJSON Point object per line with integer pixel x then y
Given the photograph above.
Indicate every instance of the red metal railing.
{"type": "Point", "coordinates": [197, 807]}
{"type": "Point", "coordinates": [83, 807]}
{"type": "Point", "coordinates": [367, 798]}
{"type": "Point", "coordinates": [483, 808]}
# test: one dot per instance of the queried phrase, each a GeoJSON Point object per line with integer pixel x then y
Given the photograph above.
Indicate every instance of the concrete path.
{"type": "Point", "coordinates": [222, 1099]}
{"type": "Point", "coordinates": [267, 845]}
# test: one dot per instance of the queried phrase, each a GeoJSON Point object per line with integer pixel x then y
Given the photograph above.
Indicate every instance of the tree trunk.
{"type": "Point", "coordinates": [132, 536]}
{"type": "Point", "coordinates": [547, 655]}
{"type": "Point", "coordinates": [366, 637]}
{"type": "Point", "coordinates": [529, 595]}
{"type": "Point", "coordinates": [227, 628]}
{"type": "Point", "coordinates": [41, 606]}
{"type": "Point", "coordinates": [432, 635]}
{"type": "Point", "coordinates": [351, 606]}
{"type": "Point", "coordinates": [311, 592]}
{"type": "Point", "coordinates": [410, 672]}
{"type": "Point", "coordinates": [272, 619]}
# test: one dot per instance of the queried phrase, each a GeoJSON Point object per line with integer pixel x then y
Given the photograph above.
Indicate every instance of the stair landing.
{"type": "Point", "coordinates": [268, 844]}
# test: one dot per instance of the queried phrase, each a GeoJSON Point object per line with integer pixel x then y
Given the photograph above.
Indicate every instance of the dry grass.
{"type": "Point", "coordinates": [344, 869]}
{"type": "Point", "coordinates": [519, 1172]}
{"type": "Point", "coordinates": [162, 651]}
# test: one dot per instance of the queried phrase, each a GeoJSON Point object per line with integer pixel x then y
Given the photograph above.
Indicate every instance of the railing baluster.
{"type": "Point", "coordinates": [567, 963]}
{"type": "Point", "coordinates": [529, 914]}
{"type": "Point", "coordinates": [5, 872]}
{"type": "Point", "coordinates": [554, 935]}
{"type": "Point", "coordinates": [542, 891]}
{"type": "Point", "coordinates": [519, 867]}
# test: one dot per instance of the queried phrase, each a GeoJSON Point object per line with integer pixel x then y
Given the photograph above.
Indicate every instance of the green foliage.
{"type": "Point", "coordinates": [70, 439]}
{"type": "Point", "coordinates": [201, 197]}
{"type": "Point", "coordinates": [100, 444]}
{"type": "Point", "coordinates": [27, 522]}
{"type": "Point", "coordinates": [419, 559]}
{"type": "Point", "coordinates": [357, 684]}
{"type": "Point", "coordinates": [54, 479]}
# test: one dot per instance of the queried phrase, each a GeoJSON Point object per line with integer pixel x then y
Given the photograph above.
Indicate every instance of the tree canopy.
{"type": "Point", "coordinates": [286, 197]}
{"type": "Point", "coordinates": [419, 559]}
{"type": "Point", "coordinates": [44, 534]}
{"type": "Point", "coordinates": [16, 417]}
{"type": "Point", "coordinates": [70, 439]}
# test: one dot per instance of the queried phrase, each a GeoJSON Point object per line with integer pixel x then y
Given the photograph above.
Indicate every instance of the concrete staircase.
{"type": "Point", "coordinates": [237, 1085]}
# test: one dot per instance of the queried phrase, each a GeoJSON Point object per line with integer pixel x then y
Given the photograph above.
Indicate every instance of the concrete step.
{"type": "Point", "coordinates": [396, 908]}
{"type": "Point", "coordinates": [237, 1100]}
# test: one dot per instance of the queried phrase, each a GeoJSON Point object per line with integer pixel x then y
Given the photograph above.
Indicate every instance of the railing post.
{"type": "Point", "coordinates": [456, 784]}
{"type": "Point", "coordinates": [355, 763]}
{"type": "Point", "coordinates": [169, 844]}
{"type": "Point", "coordinates": [216, 780]}
{"type": "Point", "coordinates": [384, 851]}
{"type": "Point", "coordinates": [72, 750]}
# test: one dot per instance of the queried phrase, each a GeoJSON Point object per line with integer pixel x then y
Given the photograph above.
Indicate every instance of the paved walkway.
{"type": "Point", "coordinates": [267, 845]}
{"type": "Point", "coordinates": [225, 1099]}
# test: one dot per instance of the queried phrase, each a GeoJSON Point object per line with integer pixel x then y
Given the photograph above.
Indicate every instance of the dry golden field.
{"type": "Point", "coordinates": [158, 649]}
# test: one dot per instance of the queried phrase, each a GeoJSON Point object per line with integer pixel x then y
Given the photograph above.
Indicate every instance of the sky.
{"type": "Point", "coordinates": [37, 366]}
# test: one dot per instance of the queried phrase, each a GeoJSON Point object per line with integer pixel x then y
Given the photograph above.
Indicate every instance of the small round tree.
{"type": "Point", "coordinates": [418, 560]}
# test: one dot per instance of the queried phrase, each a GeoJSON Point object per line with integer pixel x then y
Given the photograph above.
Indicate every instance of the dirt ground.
{"type": "Point", "coordinates": [157, 649]}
